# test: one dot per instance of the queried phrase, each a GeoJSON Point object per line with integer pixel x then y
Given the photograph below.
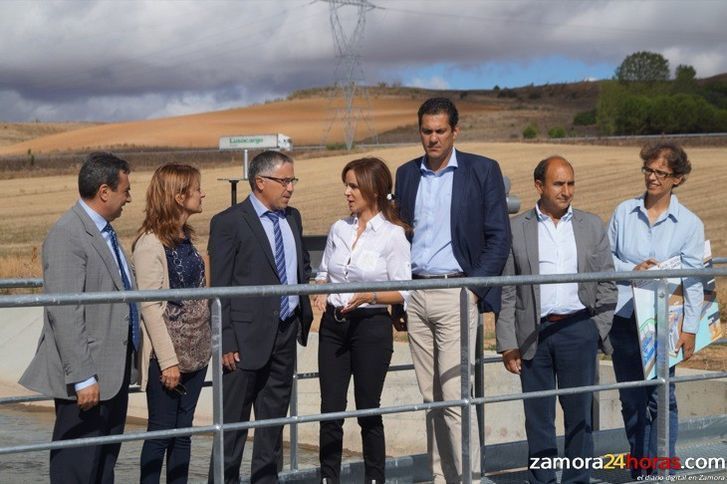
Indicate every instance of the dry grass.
{"type": "Point", "coordinates": [11, 133]}
{"type": "Point", "coordinates": [605, 176]}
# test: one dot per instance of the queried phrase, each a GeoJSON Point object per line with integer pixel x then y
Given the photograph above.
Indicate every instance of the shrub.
{"type": "Point", "coordinates": [530, 131]}
{"type": "Point", "coordinates": [556, 132]}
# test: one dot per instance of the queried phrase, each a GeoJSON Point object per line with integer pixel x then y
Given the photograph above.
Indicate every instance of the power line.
{"type": "Point", "coordinates": [349, 75]}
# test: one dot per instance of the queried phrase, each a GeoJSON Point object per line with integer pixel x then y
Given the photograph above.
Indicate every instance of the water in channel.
{"type": "Point", "coordinates": [20, 425]}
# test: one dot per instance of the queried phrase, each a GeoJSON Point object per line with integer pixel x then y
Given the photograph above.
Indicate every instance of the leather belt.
{"type": "Point", "coordinates": [453, 275]}
{"type": "Point", "coordinates": [552, 318]}
{"type": "Point", "coordinates": [358, 313]}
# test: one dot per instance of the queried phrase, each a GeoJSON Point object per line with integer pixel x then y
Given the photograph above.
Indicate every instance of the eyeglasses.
{"type": "Point", "coordinates": [659, 174]}
{"type": "Point", "coordinates": [283, 181]}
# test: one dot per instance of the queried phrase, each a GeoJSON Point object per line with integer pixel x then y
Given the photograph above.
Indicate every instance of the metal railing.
{"type": "Point", "coordinates": [218, 428]}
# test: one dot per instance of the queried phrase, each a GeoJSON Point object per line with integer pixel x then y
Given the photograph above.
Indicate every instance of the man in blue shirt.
{"type": "Point", "coordinates": [456, 204]}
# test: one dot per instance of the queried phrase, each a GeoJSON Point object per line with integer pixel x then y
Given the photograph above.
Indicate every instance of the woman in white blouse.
{"type": "Point", "coordinates": [355, 336]}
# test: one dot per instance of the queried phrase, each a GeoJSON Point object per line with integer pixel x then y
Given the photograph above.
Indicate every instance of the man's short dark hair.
{"type": "Point", "coordinates": [674, 155]}
{"type": "Point", "coordinates": [542, 169]}
{"type": "Point", "coordinates": [264, 164]}
{"type": "Point", "coordinates": [439, 105]}
{"type": "Point", "coordinates": [100, 168]}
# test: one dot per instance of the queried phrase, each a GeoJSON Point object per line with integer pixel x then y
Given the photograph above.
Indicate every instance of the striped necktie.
{"type": "Point", "coordinates": [133, 312]}
{"type": "Point", "coordinates": [274, 217]}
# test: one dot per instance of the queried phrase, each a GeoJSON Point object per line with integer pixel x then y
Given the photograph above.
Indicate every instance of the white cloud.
{"type": "Point", "coordinates": [434, 82]}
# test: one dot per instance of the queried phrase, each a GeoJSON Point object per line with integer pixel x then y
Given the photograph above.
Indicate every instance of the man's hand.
{"type": "Point", "coordinates": [647, 264]}
{"type": "Point", "coordinates": [686, 343]}
{"type": "Point", "coordinates": [230, 360]}
{"type": "Point", "coordinates": [88, 397]}
{"type": "Point", "coordinates": [170, 377]}
{"type": "Point", "coordinates": [512, 361]}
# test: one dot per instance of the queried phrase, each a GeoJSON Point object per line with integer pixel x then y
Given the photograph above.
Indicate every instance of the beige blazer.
{"type": "Point", "coordinates": [152, 272]}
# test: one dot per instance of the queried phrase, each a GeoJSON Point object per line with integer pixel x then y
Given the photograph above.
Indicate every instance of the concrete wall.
{"type": "Point", "coordinates": [405, 433]}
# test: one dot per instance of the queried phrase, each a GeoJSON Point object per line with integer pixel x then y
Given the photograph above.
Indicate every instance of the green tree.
{"type": "Point", "coordinates": [643, 67]}
{"type": "Point", "coordinates": [685, 79]}
{"type": "Point", "coordinates": [609, 105]}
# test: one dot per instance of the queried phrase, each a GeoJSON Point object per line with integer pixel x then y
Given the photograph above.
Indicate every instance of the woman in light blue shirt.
{"type": "Point", "coordinates": [643, 232]}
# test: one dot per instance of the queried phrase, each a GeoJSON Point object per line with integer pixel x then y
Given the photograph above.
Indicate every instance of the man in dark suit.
{"type": "Point", "coordinates": [85, 351]}
{"type": "Point", "coordinates": [551, 333]}
{"type": "Point", "coordinates": [456, 203]}
{"type": "Point", "coordinates": [259, 242]}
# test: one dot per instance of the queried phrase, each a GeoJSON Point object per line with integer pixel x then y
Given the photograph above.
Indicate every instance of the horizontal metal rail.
{"type": "Point", "coordinates": [38, 282]}
{"type": "Point", "coordinates": [30, 300]}
{"type": "Point", "coordinates": [303, 289]}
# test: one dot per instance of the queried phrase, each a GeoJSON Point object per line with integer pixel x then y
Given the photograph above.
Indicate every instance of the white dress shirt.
{"type": "Point", "coordinates": [381, 253]}
{"type": "Point", "coordinates": [291, 255]}
{"type": "Point", "coordinates": [558, 255]}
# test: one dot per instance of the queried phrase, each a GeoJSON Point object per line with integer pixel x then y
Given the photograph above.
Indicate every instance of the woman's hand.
{"type": "Point", "coordinates": [319, 302]}
{"type": "Point", "coordinates": [647, 264]}
{"type": "Point", "coordinates": [358, 299]}
{"type": "Point", "coordinates": [170, 377]}
{"type": "Point", "coordinates": [686, 343]}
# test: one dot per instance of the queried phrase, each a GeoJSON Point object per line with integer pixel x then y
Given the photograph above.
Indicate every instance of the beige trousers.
{"type": "Point", "coordinates": [434, 340]}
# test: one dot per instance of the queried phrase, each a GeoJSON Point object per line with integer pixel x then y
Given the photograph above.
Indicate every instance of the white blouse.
{"type": "Point", "coordinates": [382, 253]}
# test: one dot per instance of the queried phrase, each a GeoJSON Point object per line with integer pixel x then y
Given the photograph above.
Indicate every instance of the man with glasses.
{"type": "Point", "coordinates": [259, 242]}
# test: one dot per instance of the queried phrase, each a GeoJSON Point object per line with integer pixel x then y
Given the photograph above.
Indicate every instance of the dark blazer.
{"type": "Point", "coordinates": [518, 322]}
{"type": "Point", "coordinates": [479, 222]}
{"type": "Point", "coordinates": [80, 341]}
{"type": "Point", "coordinates": [240, 255]}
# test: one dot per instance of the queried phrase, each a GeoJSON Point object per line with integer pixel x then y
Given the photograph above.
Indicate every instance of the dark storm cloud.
{"type": "Point", "coordinates": [124, 60]}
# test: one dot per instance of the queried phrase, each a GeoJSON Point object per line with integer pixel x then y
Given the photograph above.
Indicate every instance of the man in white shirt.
{"type": "Point", "coordinates": [551, 333]}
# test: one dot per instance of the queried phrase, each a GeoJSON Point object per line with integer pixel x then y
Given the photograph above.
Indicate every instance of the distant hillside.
{"type": "Point", "coordinates": [12, 133]}
{"type": "Point", "coordinates": [495, 114]}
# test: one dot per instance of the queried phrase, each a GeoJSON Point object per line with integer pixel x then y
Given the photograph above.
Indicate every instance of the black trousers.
{"type": "Point", "coordinates": [267, 390]}
{"type": "Point", "coordinates": [565, 357]}
{"type": "Point", "coordinates": [360, 346]}
{"type": "Point", "coordinates": [80, 465]}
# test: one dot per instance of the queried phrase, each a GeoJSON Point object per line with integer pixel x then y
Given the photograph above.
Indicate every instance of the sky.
{"type": "Point", "coordinates": [125, 60]}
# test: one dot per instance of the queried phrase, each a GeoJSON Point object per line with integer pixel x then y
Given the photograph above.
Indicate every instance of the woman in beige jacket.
{"type": "Point", "coordinates": [176, 335]}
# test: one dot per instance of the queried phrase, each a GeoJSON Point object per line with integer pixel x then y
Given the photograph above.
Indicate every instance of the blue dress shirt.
{"type": "Point", "coordinates": [291, 256]}
{"type": "Point", "coordinates": [431, 246]}
{"type": "Point", "coordinates": [677, 232]}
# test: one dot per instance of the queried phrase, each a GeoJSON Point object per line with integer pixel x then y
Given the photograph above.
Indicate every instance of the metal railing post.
{"type": "Point", "coordinates": [218, 442]}
{"type": "Point", "coordinates": [662, 371]}
{"type": "Point", "coordinates": [465, 377]}
{"type": "Point", "coordinates": [480, 387]}
{"type": "Point", "coordinates": [294, 413]}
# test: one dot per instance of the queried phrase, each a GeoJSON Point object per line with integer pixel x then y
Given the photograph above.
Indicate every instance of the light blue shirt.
{"type": "Point", "coordinates": [431, 247]}
{"type": "Point", "coordinates": [100, 223]}
{"type": "Point", "coordinates": [557, 254]}
{"type": "Point", "coordinates": [291, 256]}
{"type": "Point", "coordinates": [677, 232]}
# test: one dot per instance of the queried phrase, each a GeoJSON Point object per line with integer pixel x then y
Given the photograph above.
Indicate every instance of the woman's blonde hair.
{"type": "Point", "coordinates": [162, 212]}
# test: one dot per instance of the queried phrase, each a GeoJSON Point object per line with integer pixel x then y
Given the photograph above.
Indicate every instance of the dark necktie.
{"type": "Point", "coordinates": [274, 217]}
{"type": "Point", "coordinates": [133, 312]}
